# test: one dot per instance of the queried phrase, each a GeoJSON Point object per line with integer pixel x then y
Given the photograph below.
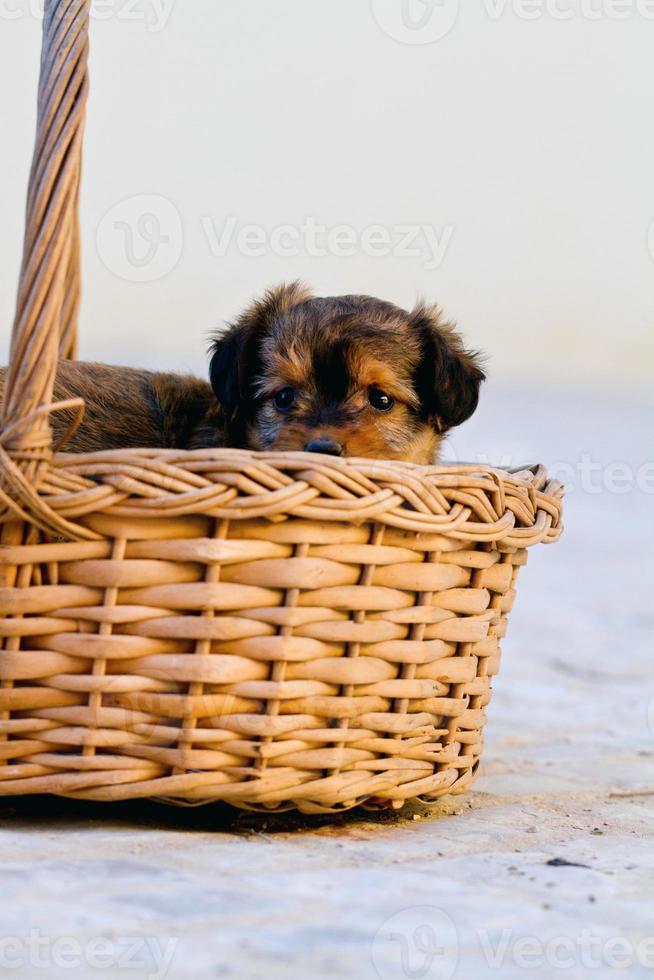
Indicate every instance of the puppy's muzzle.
{"type": "Point", "coordinates": [324, 445]}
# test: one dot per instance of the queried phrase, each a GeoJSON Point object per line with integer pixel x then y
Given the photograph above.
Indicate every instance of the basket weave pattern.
{"type": "Point", "coordinates": [271, 630]}
{"type": "Point", "coordinates": [265, 630]}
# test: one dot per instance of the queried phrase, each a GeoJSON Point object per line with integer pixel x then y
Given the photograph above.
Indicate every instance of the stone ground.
{"type": "Point", "coordinates": [543, 868]}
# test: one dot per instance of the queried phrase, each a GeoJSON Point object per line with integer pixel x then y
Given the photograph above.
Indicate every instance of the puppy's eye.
{"type": "Point", "coordinates": [284, 399]}
{"type": "Point", "coordinates": [380, 400]}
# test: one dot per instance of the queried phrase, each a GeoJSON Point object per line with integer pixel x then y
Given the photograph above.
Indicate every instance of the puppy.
{"type": "Point", "coordinates": [129, 408]}
{"type": "Point", "coordinates": [348, 376]}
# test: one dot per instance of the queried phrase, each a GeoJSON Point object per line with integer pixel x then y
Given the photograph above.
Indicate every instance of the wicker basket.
{"type": "Point", "coordinates": [273, 631]}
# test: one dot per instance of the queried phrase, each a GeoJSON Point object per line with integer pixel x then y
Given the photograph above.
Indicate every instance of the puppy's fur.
{"type": "Point", "coordinates": [366, 379]}
{"type": "Point", "coordinates": [129, 408]}
{"type": "Point", "coordinates": [336, 355]}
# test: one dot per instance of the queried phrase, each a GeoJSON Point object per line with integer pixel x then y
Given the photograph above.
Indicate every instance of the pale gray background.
{"type": "Point", "coordinates": [531, 139]}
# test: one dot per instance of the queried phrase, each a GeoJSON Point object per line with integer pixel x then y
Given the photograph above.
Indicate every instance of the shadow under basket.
{"type": "Point", "coordinates": [272, 631]}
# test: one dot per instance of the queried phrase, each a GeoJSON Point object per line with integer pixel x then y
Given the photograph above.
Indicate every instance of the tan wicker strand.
{"type": "Point", "coordinates": [353, 648]}
{"type": "Point", "coordinates": [416, 635]}
{"type": "Point", "coordinates": [48, 289]}
{"type": "Point", "coordinates": [68, 333]}
{"type": "Point", "coordinates": [202, 648]}
{"type": "Point", "coordinates": [277, 675]}
{"type": "Point", "coordinates": [19, 577]}
{"type": "Point", "coordinates": [99, 667]}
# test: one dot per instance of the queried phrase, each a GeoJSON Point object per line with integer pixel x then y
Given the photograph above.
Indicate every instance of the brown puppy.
{"type": "Point", "coordinates": [128, 408]}
{"type": "Point", "coordinates": [347, 375]}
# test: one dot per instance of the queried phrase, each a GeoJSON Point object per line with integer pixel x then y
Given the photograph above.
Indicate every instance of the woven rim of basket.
{"type": "Point", "coordinates": [467, 502]}
{"type": "Point", "coordinates": [55, 492]}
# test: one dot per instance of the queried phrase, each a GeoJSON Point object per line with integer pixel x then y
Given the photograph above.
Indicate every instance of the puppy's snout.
{"type": "Point", "coordinates": [324, 445]}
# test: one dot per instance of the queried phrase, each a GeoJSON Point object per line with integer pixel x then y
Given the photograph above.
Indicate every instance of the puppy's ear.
{"type": "Point", "coordinates": [449, 376]}
{"type": "Point", "coordinates": [235, 354]}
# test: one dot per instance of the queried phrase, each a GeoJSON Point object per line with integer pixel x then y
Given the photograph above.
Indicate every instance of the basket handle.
{"type": "Point", "coordinates": [45, 325]}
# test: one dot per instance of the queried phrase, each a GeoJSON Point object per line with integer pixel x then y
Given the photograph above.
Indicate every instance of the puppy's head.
{"type": "Point", "coordinates": [347, 375]}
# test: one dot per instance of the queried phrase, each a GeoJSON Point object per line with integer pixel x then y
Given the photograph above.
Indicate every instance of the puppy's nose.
{"type": "Point", "coordinates": [324, 445]}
